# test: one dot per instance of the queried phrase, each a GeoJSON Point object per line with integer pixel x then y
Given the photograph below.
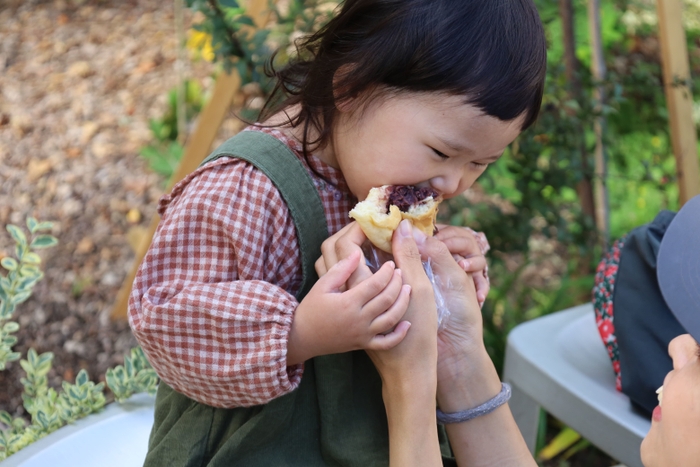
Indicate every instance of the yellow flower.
{"type": "Point", "coordinates": [200, 43]}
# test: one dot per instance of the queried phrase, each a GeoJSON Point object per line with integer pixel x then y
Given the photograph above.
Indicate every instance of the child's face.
{"type": "Point", "coordinates": [675, 427]}
{"type": "Point", "coordinates": [426, 139]}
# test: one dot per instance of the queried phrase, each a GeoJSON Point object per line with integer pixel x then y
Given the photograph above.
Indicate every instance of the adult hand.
{"type": "Point", "coordinates": [463, 327]}
{"type": "Point", "coordinates": [408, 370]}
{"type": "Point", "coordinates": [466, 376]}
{"type": "Point", "coordinates": [417, 353]}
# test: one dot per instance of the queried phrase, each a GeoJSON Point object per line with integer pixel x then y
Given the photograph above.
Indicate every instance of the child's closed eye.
{"type": "Point", "coordinates": [478, 165]}
{"type": "Point", "coordinates": [440, 154]}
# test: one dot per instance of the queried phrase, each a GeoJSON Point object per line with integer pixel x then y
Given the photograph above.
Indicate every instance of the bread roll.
{"type": "Point", "coordinates": [385, 207]}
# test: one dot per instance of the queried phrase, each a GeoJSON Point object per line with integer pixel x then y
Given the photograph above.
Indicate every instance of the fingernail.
{"type": "Point", "coordinates": [405, 228]}
{"type": "Point", "coordinates": [419, 236]}
{"type": "Point", "coordinates": [464, 264]}
{"type": "Point", "coordinates": [398, 271]}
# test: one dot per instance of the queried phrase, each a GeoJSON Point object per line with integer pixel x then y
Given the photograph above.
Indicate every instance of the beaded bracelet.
{"type": "Point", "coordinates": [483, 409]}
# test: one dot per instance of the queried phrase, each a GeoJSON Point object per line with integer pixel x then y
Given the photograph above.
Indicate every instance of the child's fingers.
{"type": "Point", "coordinates": [391, 339]}
{"type": "Point", "coordinates": [474, 264]}
{"type": "Point", "coordinates": [387, 320]}
{"type": "Point", "coordinates": [328, 252]}
{"type": "Point", "coordinates": [369, 288]}
{"type": "Point", "coordinates": [447, 232]}
{"type": "Point", "coordinates": [460, 244]}
{"type": "Point", "coordinates": [482, 286]}
{"type": "Point", "coordinates": [351, 240]}
{"type": "Point", "coordinates": [320, 266]}
{"type": "Point", "coordinates": [384, 299]}
{"type": "Point", "coordinates": [335, 278]}
{"type": "Point", "coordinates": [443, 263]}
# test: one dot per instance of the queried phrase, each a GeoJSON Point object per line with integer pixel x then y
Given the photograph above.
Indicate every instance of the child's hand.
{"type": "Point", "coordinates": [341, 245]}
{"type": "Point", "coordinates": [468, 249]}
{"type": "Point", "coordinates": [329, 320]}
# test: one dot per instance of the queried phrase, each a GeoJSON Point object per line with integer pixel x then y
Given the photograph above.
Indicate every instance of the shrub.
{"type": "Point", "coordinates": [51, 409]}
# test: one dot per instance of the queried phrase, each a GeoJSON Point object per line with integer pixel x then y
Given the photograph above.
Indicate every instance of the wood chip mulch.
{"type": "Point", "coordinates": [79, 81]}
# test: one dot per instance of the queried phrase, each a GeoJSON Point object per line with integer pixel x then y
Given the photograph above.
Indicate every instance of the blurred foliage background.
{"type": "Point", "coordinates": [544, 246]}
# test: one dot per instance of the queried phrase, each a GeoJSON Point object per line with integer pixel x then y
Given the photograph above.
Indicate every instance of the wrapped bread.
{"type": "Point", "coordinates": [386, 206]}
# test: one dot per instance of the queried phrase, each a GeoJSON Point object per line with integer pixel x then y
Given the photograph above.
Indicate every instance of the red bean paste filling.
{"type": "Point", "coordinates": [405, 196]}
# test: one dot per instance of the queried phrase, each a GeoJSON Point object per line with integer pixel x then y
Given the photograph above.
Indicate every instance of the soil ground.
{"type": "Point", "coordinates": [78, 84]}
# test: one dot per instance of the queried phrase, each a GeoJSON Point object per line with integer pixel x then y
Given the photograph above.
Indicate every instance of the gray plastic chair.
{"type": "Point", "coordinates": [558, 363]}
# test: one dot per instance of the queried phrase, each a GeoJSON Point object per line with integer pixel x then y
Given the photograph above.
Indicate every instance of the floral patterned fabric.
{"type": "Point", "coordinates": [603, 293]}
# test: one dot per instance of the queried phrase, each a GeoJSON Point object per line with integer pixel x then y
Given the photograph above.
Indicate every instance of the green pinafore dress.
{"type": "Point", "coordinates": [336, 417]}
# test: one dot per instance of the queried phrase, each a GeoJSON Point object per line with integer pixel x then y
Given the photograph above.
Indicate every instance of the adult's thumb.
{"type": "Point", "coordinates": [405, 250]}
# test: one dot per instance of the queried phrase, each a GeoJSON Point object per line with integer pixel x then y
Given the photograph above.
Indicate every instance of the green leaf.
{"type": "Point", "coordinates": [564, 440]}
{"type": "Point", "coordinates": [32, 224]}
{"type": "Point", "coordinates": [82, 377]}
{"type": "Point", "coordinates": [31, 258]}
{"type": "Point", "coordinates": [229, 3]}
{"type": "Point", "coordinates": [43, 419]}
{"type": "Point", "coordinates": [27, 367]}
{"type": "Point", "coordinates": [27, 282]}
{"type": "Point", "coordinates": [21, 297]}
{"type": "Point", "coordinates": [10, 264]}
{"type": "Point", "coordinates": [44, 241]}
{"type": "Point", "coordinates": [31, 270]}
{"type": "Point", "coordinates": [5, 418]}
{"type": "Point", "coordinates": [578, 447]}
{"type": "Point", "coordinates": [6, 309]}
{"type": "Point", "coordinates": [33, 357]}
{"type": "Point", "coordinates": [247, 20]}
{"type": "Point", "coordinates": [44, 226]}
{"type": "Point", "coordinates": [17, 234]}
{"type": "Point", "coordinates": [10, 327]}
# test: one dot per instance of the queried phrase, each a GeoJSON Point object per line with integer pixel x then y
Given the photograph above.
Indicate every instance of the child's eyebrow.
{"type": "Point", "coordinates": [493, 159]}
{"type": "Point", "coordinates": [452, 144]}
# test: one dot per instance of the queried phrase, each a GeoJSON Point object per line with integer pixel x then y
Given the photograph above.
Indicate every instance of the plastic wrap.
{"type": "Point", "coordinates": [375, 257]}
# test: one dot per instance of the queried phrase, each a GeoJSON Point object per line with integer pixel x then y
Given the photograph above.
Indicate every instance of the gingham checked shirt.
{"type": "Point", "coordinates": [214, 297]}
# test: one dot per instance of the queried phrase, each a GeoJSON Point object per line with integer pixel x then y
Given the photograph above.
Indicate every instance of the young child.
{"type": "Point", "coordinates": [390, 92]}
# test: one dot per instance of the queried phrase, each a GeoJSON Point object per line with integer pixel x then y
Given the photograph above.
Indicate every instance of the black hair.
{"type": "Point", "coordinates": [493, 52]}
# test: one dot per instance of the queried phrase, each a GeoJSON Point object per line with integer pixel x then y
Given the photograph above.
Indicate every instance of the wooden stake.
{"type": "Point", "coordinates": [600, 190]}
{"type": "Point", "coordinates": [679, 99]}
{"type": "Point", "coordinates": [196, 149]}
{"type": "Point", "coordinates": [584, 188]}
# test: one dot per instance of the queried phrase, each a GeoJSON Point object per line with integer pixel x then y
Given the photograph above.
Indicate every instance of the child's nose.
{"type": "Point", "coordinates": [447, 184]}
{"type": "Point", "coordinates": [681, 349]}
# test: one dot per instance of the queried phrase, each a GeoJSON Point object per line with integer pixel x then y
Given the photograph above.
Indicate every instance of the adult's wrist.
{"type": "Point", "coordinates": [416, 383]}
{"type": "Point", "coordinates": [466, 382]}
